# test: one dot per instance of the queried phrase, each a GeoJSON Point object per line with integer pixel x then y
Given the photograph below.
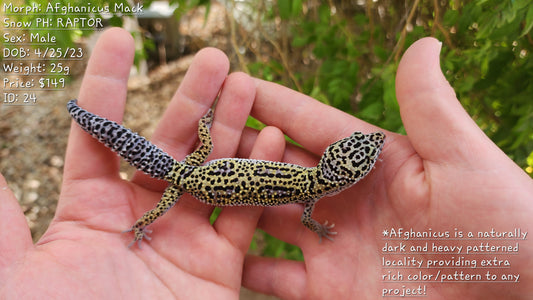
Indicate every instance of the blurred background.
{"type": "Point", "coordinates": [341, 52]}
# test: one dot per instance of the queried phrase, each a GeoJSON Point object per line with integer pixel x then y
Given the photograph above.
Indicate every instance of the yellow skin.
{"type": "Point", "coordinates": [234, 181]}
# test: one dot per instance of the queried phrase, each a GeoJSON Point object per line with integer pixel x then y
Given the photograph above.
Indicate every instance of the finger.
{"type": "Point", "coordinates": [310, 123]}
{"type": "Point", "coordinates": [436, 123]}
{"type": "Point", "coordinates": [293, 153]}
{"type": "Point", "coordinates": [176, 133]}
{"type": "Point", "coordinates": [15, 235]}
{"type": "Point", "coordinates": [103, 92]}
{"type": "Point", "coordinates": [177, 130]}
{"type": "Point", "coordinates": [283, 278]}
{"type": "Point", "coordinates": [238, 224]}
{"type": "Point", "coordinates": [283, 223]}
{"type": "Point", "coordinates": [248, 139]}
{"type": "Point", "coordinates": [232, 110]}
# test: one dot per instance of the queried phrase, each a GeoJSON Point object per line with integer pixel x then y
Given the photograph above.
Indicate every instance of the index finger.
{"type": "Point", "coordinates": [312, 124]}
{"type": "Point", "coordinates": [103, 92]}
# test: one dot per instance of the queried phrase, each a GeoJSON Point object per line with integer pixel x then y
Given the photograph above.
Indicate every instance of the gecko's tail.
{"type": "Point", "coordinates": [135, 149]}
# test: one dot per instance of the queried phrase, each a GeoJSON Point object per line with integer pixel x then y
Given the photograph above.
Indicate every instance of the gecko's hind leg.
{"type": "Point", "coordinates": [170, 198]}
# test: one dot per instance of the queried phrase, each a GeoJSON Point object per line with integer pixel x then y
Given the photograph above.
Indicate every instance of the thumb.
{"type": "Point", "coordinates": [15, 237]}
{"type": "Point", "coordinates": [438, 127]}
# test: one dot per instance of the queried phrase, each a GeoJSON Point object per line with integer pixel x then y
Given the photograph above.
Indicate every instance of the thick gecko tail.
{"type": "Point", "coordinates": [135, 149]}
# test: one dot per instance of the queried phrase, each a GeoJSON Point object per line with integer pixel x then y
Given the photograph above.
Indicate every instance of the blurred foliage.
{"type": "Point", "coordinates": [185, 5]}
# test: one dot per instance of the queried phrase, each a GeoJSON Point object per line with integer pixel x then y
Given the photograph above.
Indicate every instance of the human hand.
{"type": "Point", "coordinates": [83, 253]}
{"type": "Point", "coordinates": [444, 174]}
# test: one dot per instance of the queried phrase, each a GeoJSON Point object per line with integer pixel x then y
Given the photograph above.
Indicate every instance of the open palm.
{"type": "Point", "coordinates": [84, 253]}
{"type": "Point", "coordinates": [445, 175]}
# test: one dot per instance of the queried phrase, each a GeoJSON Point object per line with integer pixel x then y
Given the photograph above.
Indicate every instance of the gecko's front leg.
{"type": "Point", "coordinates": [323, 230]}
{"type": "Point", "coordinates": [170, 198]}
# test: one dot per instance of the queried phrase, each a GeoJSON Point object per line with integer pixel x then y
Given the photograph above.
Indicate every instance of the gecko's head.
{"type": "Point", "coordinates": [350, 159]}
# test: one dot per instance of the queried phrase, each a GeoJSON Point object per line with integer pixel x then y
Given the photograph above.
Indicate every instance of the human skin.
{"type": "Point", "coordinates": [444, 174]}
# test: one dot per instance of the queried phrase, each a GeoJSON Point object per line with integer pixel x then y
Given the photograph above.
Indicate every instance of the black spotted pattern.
{"type": "Point", "coordinates": [231, 181]}
{"type": "Point", "coordinates": [134, 148]}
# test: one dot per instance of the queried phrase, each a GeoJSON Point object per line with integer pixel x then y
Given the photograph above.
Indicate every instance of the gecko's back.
{"type": "Point", "coordinates": [234, 181]}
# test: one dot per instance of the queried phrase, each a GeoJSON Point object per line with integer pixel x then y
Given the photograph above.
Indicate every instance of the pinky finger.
{"type": "Point", "coordinates": [282, 278]}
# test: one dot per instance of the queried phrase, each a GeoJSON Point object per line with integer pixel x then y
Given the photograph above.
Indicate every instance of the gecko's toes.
{"type": "Point", "coordinates": [325, 231]}
{"type": "Point", "coordinates": [140, 234]}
